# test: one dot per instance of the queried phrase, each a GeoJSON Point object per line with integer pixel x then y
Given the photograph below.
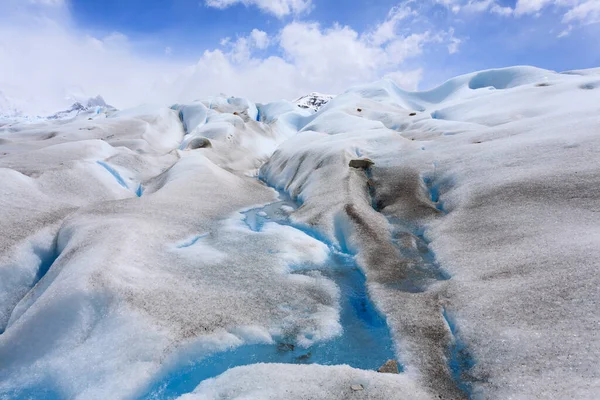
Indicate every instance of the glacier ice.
{"type": "Point", "coordinates": [136, 263]}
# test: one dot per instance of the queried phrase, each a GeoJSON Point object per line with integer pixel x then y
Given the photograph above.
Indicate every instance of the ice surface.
{"type": "Point", "coordinates": [515, 137]}
{"type": "Point", "coordinates": [295, 382]}
{"type": "Point", "coordinates": [133, 265]}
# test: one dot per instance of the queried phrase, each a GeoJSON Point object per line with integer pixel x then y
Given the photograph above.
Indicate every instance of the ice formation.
{"type": "Point", "coordinates": [313, 101]}
{"type": "Point", "coordinates": [230, 250]}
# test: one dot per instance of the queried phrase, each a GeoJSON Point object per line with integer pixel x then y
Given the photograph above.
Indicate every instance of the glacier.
{"type": "Point", "coordinates": [226, 249]}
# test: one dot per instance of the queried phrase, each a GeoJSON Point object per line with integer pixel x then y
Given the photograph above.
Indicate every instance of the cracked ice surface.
{"type": "Point", "coordinates": [476, 229]}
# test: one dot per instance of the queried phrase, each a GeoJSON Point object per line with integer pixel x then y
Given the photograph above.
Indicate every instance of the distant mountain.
{"type": "Point", "coordinates": [93, 104]}
{"type": "Point", "coordinates": [7, 107]}
{"type": "Point", "coordinates": [313, 101]}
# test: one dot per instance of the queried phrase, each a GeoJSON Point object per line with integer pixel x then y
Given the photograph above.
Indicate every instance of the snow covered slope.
{"type": "Point", "coordinates": [224, 249]}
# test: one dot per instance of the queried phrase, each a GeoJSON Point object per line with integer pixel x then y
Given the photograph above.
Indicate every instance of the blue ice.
{"type": "Point", "coordinates": [365, 343]}
{"type": "Point", "coordinates": [191, 241]}
{"type": "Point", "coordinates": [460, 361]}
{"type": "Point", "coordinates": [114, 173]}
{"type": "Point", "coordinates": [140, 190]}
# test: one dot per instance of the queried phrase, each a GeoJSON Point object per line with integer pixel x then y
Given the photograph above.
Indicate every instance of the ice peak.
{"type": "Point", "coordinates": [313, 100]}
{"type": "Point", "coordinates": [97, 101]}
{"type": "Point", "coordinates": [92, 104]}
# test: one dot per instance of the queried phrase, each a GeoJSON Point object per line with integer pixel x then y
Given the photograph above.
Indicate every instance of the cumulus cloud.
{"type": "Point", "coordinates": [48, 63]}
{"type": "Point", "coordinates": [47, 67]}
{"type": "Point", "coordinates": [241, 49]}
{"type": "Point", "coordinates": [587, 12]}
{"type": "Point", "coordinates": [260, 39]}
{"type": "Point", "coordinates": [453, 42]}
{"type": "Point", "coordinates": [476, 6]}
{"type": "Point", "coordinates": [313, 58]}
{"type": "Point", "coordinates": [387, 29]}
{"type": "Point", "coordinates": [530, 6]}
{"type": "Point", "coordinates": [575, 11]}
{"type": "Point", "coordinates": [407, 80]}
{"type": "Point", "coordinates": [279, 8]}
{"type": "Point", "coordinates": [580, 12]}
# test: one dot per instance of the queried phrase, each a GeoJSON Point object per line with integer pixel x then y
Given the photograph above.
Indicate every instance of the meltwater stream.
{"type": "Point", "coordinates": [365, 343]}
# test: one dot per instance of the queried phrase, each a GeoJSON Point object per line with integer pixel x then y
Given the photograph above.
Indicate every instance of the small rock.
{"type": "Point", "coordinates": [359, 109]}
{"type": "Point", "coordinates": [199, 143]}
{"type": "Point", "coordinates": [285, 347]}
{"type": "Point", "coordinates": [390, 367]}
{"type": "Point", "coordinates": [304, 357]}
{"type": "Point", "coordinates": [412, 114]}
{"type": "Point", "coordinates": [357, 388]}
{"type": "Point", "coordinates": [362, 163]}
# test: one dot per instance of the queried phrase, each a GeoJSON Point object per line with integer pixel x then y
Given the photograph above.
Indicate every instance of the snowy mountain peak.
{"type": "Point", "coordinates": [95, 104]}
{"type": "Point", "coordinates": [314, 100]}
{"type": "Point", "coordinates": [97, 101]}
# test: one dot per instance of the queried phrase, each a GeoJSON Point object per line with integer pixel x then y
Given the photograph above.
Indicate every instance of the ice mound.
{"type": "Point", "coordinates": [278, 381]}
{"type": "Point", "coordinates": [506, 78]}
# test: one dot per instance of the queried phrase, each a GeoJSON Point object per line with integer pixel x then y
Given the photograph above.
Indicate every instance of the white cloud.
{"type": "Point", "coordinates": [565, 32]}
{"type": "Point", "coordinates": [453, 5]}
{"type": "Point", "coordinates": [311, 57]}
{"type": "Point", "coordinates": [577, 11]}
{"type": "Point", "coordinates": [259, 38]}
{"type": "Point", "coordinates": [45, 69]}
{"type": "Point", "coordinates": [279, 8]}
{"type": "Point", "coordinates": [332, 52]}
{"type": "Point", "coordinates": [407, 80]}
{"type": "Point", "coordinates": [453, 42]}
{"type": "Point", "coordinates": [241, 50]}
{"type": "Point", "coordinates": [587, 12]}
{"type": "Point", "coordinates": [476, 6]}
{"type": "Point", "coordinates": [52, 3]}
{"type": "Point", "coordinates": [580, 12]}
{"type": "Point", "coordinates": [387, 29]}
{"type": "Point", "coordinates": [504, 11]}
{"type": "Point", "coordinates": [403, 48]}
{"type": "Point", "coordinates": [530, 6]}
{"type": "Point", "coordinates": [46, 63]}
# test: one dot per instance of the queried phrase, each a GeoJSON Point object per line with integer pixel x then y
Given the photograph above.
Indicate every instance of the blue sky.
{"type": "Point", "coordinates": [267, 49]}
{"type": "Point", "coordinates": [488, 40]}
